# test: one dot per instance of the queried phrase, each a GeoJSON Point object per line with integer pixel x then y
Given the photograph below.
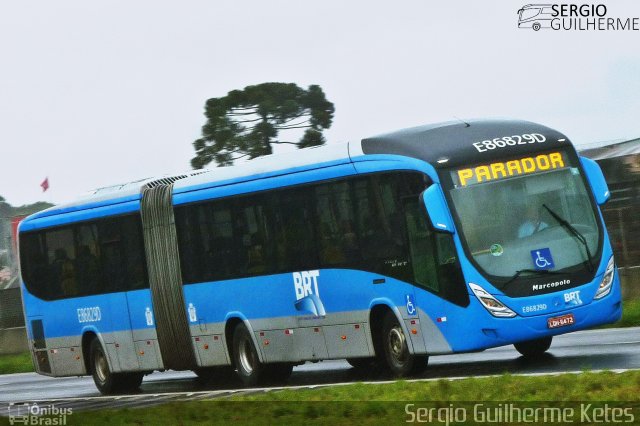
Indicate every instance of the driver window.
{"type": "Point", "coordinates": [421, 246]}
{"type": "Point", "coordinates": [434, 258]}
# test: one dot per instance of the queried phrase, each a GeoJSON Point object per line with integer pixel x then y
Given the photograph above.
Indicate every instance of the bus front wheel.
{"type": "Point", "coordinates": [396, 350]}
{"type": "Point", "coordinates": [106, 381]}
{"type": "Point", "coordinates": [245, 357]}
{"type": "Point", "coordinates": [533, 348]}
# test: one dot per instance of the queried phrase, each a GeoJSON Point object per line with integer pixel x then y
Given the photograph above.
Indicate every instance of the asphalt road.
{"type": "Point", "coordinates": [608, 349]}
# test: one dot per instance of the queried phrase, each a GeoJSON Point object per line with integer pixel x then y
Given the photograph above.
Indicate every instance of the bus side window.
{"type": "Point", "coordinates": [88, 258]}
{"type": "Point", "coordinates": [87, 261]}
{"type": "Point", "coordinates": [254, 236]}
{"type": "Point", "coordinates": [112, 257]}
{"type": "Point", "coordinates": [35, 272]}
{"type": "Point", "coordinates": [135, 260]}
{"type": "Point", "coordinates": [192, 228]}
{"type": "Point", "coordinates": [295, 233]}
{"type": "Point", "coordinates": [122, 258]}
{"type": "Point", "coordinates": [217, 252]}
{"type": "Point", "coordinates": [380, 222]}
{"type": "Point", "coordinates": [62, 255]}
{"type": "Point", "coordinates": [337, 240]}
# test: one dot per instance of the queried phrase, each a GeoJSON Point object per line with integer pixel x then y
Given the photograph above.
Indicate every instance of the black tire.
{"type": "Point", "coordinates": [245, 357]}
{"type": "Point", "coordinates": [214, 375]}
{"type": "Point", "coordinates": [106, 381]}
{"type": "Point", "coordinates": [277, 374]}
{"type": "Point", "coordinates": [399, 360]}
{"type": "Point", "coordinates": [129, 382]}
{"type": "Point", "coordinates": [534, 348]}
{"type": "Point", "coordinates": [363, 364]}
{"type": "Point", "coordinates": [536, 26]}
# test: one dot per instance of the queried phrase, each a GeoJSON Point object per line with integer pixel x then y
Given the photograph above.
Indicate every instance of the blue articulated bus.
{"type": "Point", "coordinates": [439, 239]}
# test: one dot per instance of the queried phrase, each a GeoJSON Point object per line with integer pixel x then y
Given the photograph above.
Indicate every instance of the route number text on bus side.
{"type": "Point", "coordinates": [92, 314]}
{"type": "Point", "coordinates": [488, 145]}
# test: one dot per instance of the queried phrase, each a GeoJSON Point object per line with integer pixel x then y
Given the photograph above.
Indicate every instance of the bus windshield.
{"type": "Point", "coordinates": [526, 216]}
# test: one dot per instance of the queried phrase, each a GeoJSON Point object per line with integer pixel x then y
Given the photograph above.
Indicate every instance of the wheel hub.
{"type": "Point", "coordinates": [246, 356]}
{"type": "Point", "coordinates": [397, 344]}
{"type": "Point", "coordinates": [102, 368]}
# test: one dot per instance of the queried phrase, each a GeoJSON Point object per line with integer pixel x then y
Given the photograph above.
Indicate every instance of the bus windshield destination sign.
{"type": "Point", "coordinates": [507, 169]}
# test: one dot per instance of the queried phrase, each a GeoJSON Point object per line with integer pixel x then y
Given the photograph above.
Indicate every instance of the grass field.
{"type": "Point", "coordinates": [384, 403]}
{"type": "Point", "coordinates": [630, 314]}
{"type": "Point", "coordinates": [20, 363]}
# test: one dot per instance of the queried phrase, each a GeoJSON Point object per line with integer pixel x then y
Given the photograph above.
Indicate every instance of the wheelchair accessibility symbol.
{"type": "Point", "coordinates": [542, 259]}
{"type": "Point", "coordinates": [411, 306]}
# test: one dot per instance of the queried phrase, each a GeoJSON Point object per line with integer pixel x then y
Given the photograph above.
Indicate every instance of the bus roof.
{"type": "Point", "coordinates": [451, 143]}
{"type": "Point", "coordinates": [431, 143]}
{"type": "Point", "coordinates": [270, 165]}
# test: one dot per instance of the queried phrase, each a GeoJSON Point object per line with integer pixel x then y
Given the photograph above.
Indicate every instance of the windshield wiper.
{"type": "Point", "coordinates": [533, 271]}
{"type": "Point", "coordinates": [573, 231]}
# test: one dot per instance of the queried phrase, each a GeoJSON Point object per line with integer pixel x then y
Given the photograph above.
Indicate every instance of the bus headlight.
{"type": "Point", "coordinates": [493, 305]}
{"type": "Point", "coordinates": [607, 280]}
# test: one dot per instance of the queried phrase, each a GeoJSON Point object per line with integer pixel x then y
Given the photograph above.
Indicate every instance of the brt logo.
{"type": "Point", "coordinates": [572, 298]}
{"type": "Point", "coordinates": [305, 284]}
{"type": "Point", "coordinates": [302, 281]}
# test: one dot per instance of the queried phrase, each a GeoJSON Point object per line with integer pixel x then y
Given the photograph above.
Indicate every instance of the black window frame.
{"type": "Point", "coordinates": [272, 199]}
{"type": "Point", "coordinates": [43, 288]}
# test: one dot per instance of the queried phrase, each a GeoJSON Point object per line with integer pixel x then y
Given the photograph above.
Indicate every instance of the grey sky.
{"type": "Point", "coordinates": [97, 93]}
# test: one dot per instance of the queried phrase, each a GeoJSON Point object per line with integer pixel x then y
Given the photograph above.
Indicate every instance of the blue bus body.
{"type": "Point", "coordinates": [293, 316]}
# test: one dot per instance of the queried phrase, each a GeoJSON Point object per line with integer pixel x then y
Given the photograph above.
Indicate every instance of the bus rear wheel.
{"type": "Point", "coordinates": [534, 348]}
{"type": "Point", "coordinates": [106, 381]}
{"type": "Point", "coordinates": [400, 361]}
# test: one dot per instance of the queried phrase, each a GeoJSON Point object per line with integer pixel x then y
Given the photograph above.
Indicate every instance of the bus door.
{"type": "Point", "coordinates": [124, 281]}
{"type": "Point", "coordinates": [122, 342]}
{"type": "Point", "coordinates": [114, 280]}
{"type": "Point", "coordinates": [143, 330]}
{"type": "Point", "coordinates": [429, 255]}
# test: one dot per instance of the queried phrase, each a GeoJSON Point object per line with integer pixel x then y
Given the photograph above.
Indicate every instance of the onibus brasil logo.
{"type": "Point", "coordinates": [38, 414]}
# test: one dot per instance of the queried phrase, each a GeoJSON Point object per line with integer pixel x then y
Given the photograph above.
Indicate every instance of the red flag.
{"type": "Point", "coordinates": [45, 184]}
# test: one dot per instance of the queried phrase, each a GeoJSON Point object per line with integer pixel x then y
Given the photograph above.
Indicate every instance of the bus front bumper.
{"type": "Point", "coordinates": [488, 331]}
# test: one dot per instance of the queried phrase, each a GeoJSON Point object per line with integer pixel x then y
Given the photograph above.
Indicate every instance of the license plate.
{"type": "Point", "coordinates": [560, 321]}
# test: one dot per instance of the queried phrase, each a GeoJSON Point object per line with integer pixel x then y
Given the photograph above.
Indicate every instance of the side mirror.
{"type": "Point", "coordinates": [434, 201]}
{"type": "Point", "coordinates": [596, 180]}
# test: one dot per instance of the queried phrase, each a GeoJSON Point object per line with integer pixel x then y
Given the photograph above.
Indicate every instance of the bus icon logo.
{"type": "Point", "coordinates": [18, 413]}
{"type": "Point", "coordinates": [542, 259]}
{"type": "Point", "coordinates": [535, 16]}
